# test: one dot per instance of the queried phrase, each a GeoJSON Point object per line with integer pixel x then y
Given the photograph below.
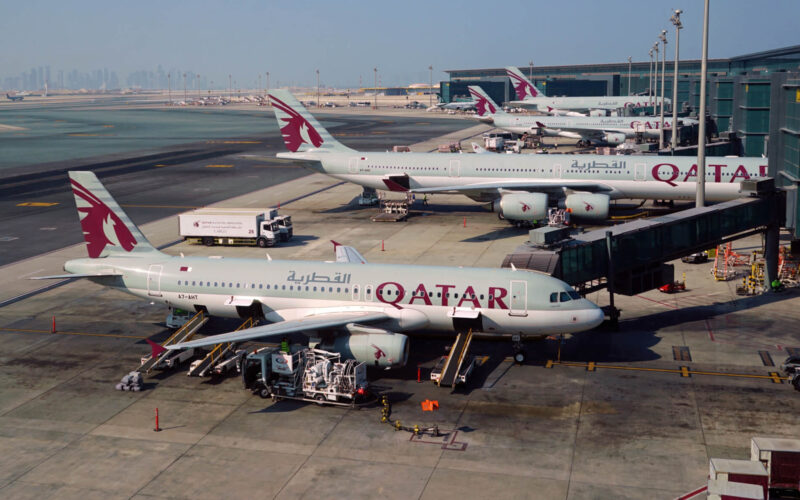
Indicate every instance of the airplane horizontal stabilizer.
{"type": "Point", "coordinates": [70, 276]}
{"type": "Point", "coordinates": [324, 321]}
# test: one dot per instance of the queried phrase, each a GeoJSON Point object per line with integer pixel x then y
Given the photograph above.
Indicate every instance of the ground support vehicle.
{"type": "Point", "coordinates": [218, 226]}
{"type": "Point", "coordinates": [305, 374]}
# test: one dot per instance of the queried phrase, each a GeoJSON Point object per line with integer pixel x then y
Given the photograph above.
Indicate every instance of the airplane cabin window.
{"type": "Point", "coordinates": [215, 283]}
{"type": "Point", "coordinates": [193, 283]}
{"type": "Point", "coordinates": [338, 289]}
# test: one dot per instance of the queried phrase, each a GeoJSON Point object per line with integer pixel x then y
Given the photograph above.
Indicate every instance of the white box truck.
{"type": "Point", "coordinates": [225, 226]}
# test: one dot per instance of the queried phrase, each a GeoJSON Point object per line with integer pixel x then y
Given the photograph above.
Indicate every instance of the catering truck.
{"type": "Point", "coordinates": [231, 226]}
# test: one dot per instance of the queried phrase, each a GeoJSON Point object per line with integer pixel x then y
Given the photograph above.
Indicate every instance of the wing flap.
{"type": "Point", "coordinates": [555, 185]}
{"type": "Point", "coordinates": [70, 276]}
{"type": "Point", "coordinates": [316, 322]}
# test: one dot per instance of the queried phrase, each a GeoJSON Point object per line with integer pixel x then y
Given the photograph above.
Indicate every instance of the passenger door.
{"type": "Point", "coordinates": [519, 298]}
{"type": "Point", "coordinates": [352, 166]}
{"type": "Point", "coordinates": [154, 280]}
{"type": "Point", "coordinates": [640, 172]}
{"type": "Point", "coordinates": [455, 168]}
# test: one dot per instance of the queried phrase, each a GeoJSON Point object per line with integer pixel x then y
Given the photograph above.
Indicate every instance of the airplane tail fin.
{"type": "Point", "coordinates": [523, 87]}
{"type": "Point", "coordinates": [300, 130]}
{"type": "Point", "coordinates": [108, 231]}
{"type": "Point", "coordinates": [484, 105]}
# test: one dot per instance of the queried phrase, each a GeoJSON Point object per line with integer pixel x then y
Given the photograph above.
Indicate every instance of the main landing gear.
{"type": "Point", "coordinates": [519, 351]}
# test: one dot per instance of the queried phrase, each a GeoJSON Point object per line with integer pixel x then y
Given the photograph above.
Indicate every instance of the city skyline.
{"type": "Point", "coordinates": [346, 40]}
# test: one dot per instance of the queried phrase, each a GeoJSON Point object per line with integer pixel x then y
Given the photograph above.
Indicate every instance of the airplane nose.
{"type": "Point", "coordinates": [594, 317]}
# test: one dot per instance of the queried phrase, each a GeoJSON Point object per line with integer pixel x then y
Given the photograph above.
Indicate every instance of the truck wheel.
{"type": "Point", "coordinates": [264, 393]}
{"type": "Point", "coordinates": [262, 242]}
{"type": "Point", "coordinates": [320, 399]}
{"type": "Point", "coordinates": [208, 241]}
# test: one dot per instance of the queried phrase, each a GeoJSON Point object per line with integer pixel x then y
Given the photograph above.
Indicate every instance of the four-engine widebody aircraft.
{"type": "Point", "coordinates": [353, 307]}
{"type": "Point", "coordinates": [587, 129]}
{"type": "Point", "coordinates": [529, 96]}
{"type": "Point", "coordinates": [520, 187]}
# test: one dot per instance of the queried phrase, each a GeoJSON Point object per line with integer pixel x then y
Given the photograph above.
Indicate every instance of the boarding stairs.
{"type": "Point", "coordinates": [219, 354]}
{"type": "Point", "coordinates": [458, 353]}
{"type": "Point", "coordinates": [182, 334]}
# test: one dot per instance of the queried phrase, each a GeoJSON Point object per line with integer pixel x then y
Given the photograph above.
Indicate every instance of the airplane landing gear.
{"type": "Point", "coordinates": [519, 351]}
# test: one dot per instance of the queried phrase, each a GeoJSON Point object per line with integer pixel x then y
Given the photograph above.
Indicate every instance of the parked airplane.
{"type": "Point", "coordinates": [529, 96]}
{"type": "Point", "coordinates": [454, 106]}
{"type": "Point", "coordinates": [587, 129]}
{"type": "Point", "coordinates": [354, 307]}
{"type": "Point", "coordinates": [520, 187]}
{"type": "Point", "coordinates": [15, 97]}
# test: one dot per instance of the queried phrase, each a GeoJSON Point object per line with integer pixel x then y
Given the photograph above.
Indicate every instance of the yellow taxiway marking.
{"type": "Point", "coordinates": [219, 166]}
{"type": "Point", "coordinates": [683, 371]}
{"type": "Point", "coordinates": [161, 165]}
{"type": "Point", "coordinates": [37, 204]}
{"type": "Point", "coordinates": [23, 330]}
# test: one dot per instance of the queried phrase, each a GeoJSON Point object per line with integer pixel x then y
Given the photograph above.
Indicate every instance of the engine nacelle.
{"type": "Point", "coordinates": [588, 206]}
{"type": "Point", "coordinates": [386, 350]}
{"type": "Point", "coordinates": [614, 138]}
{"type": "Point", "coordinates": [522, 206]}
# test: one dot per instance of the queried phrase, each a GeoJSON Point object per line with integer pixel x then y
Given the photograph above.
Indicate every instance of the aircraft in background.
{"type": "Point", "coordinates": [454, 106]}
{"type": "Point", "coordinates": [15, 97]}
{"type": "Point", "coordinates": [586, 129]}
{"type": "Point", "coordinates": [352, 307]}
{"type": "Point", "coordinates": [519, 187]}
{"type": "Point", "coordinates": [529, 96]}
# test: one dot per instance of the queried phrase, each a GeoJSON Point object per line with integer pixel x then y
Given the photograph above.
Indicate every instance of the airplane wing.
{"type": "Point", "coordinates": [324, 321]}
{"type": "Point", "coordinates": [348, 254]}
{"type": "Point", "coordinates": [556, 185]}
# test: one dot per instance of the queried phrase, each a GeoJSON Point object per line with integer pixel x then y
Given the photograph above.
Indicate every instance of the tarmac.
{"type": "Point", "coordinates": [633, 413]}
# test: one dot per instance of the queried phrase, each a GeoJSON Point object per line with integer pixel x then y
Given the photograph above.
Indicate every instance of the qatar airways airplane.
{"type": "Point", "coordinates": [352, 307]}
{"type": "Point", "coordinates": [520, 187]}
{"type": "Point", "coordinates": [529, 96]}
{"type": "Point", "coordinates": [586, 129]}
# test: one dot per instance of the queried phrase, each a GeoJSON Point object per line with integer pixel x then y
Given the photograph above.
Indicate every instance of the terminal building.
{"type": "Point", "coordinates": [752, 99]}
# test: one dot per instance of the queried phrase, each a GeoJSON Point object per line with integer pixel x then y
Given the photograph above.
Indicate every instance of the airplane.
{"type": "Point", "coordinates": [353, 307]}
{"type": "Point", "coordinates": [520, 188]}
{"type": "Point", "coordinates": [529, 96]}
{"type": "Point", "coordinates": [587, 129]}
{"type": "Point", "coordinates": [15, 97]}
{"type": "Point", "coordinates": [454, 106]}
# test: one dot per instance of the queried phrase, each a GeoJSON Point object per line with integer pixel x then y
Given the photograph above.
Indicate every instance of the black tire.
{"type": "Point", "coordinates": [208, 241]}
{"type": "Point", "coordinates": [262, 242]}
{"type": "Point", "coordinates": [264, 393]}
{"type": "Point", "coordinates": [320, 399]}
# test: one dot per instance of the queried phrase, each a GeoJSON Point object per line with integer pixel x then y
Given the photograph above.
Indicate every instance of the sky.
{"type": "Point", "coordinates": [346, 39]}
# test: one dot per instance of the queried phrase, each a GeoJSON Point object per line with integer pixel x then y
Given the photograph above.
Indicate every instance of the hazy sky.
{"type": "Point", "coordinates": [345, 39]}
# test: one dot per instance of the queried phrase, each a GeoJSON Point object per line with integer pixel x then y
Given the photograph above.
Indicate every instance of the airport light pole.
{"type": "Point", "coordinates": [169, 87]}
{"type": "Point", "coordinates": [630, 60]}
{"type": "Point", "coordinates": [268, 102]}
{"type": "Point", "coordinates": [318, 88]}
{"type": "Point", "coordinates": [530, 70]}
{"type": "Point", "coordinates": [430, 88]}
{"type": "Point", "coordinates": [375, 106]}
{"type": "Point", "coordinates": [184, 88]}
{"type": "Point", "coordinates": [197, 85]}
{"type": "Point", "coordinates": [259, 82]}
{"type": "Point", "coordinates": [230, 87]}
{"type": "Point", "coordinates": [655, 79]}
{"type": "Point", "coordinates": [701, 131]}
{"type": "Point", "coordinates": [663, 38]}
{"type": "Point", "coordinates": [676, 20]}
{"type": "Point", "coordinates": [650, 81]}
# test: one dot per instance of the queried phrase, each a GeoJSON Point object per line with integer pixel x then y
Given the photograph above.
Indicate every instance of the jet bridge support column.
{"type": "Point", "coordinates": [613, 313]}
{"type": "Point", "coordinates": [771, 248]}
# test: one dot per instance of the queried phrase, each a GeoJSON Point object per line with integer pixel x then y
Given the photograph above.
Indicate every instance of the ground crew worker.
{"type": "Point", "coordinates": [425, 200]}
{"type": "Point", "coordinates": [285, 345]}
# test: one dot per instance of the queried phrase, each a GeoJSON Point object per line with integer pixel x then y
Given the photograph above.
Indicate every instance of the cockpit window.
{"type": "Point", "coordinates": [575, 295]}
{"type": "Point", "coordinates": [554, 297]}
{"type": "Point", "coordinates": [564, 296]}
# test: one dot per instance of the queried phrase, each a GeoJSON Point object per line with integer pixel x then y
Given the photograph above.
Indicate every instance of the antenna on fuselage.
{"type": "Point", "coordinates": [268, 257]}
{"type": "Point", "coordinates": [513, 267]}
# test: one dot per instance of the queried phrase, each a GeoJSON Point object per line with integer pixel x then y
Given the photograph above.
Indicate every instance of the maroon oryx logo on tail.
{"type": "Point", "coordinates": [521, 86]}
{"type": "Point", "coordinates": [101, 226]}
{"type": "Point", "coordinates": [297, 130]}
{"type": "Point", "coordinates": [482, 105]}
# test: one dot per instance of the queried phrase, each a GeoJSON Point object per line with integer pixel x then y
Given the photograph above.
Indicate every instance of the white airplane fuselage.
{"type": "Point", "coordinates": [414, 297]}
{"type": "Point", "coordinates": [629, 126]}
{"type": "Point", "coordinates": [587, 103]}
{"type": "Point", "coordinates": [621, 177]}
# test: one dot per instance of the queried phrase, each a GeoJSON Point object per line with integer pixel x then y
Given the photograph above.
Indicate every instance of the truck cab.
{"type": "Point", "coordinates": [257, 374]}
{"type": "Point", "coordinates": [269, 233]}
{"type": "Point", "coordinates": [285, 227]}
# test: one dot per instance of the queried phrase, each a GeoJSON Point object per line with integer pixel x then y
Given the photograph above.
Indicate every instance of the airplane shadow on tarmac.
{"type": "Point", "coordinates": [298, 240]}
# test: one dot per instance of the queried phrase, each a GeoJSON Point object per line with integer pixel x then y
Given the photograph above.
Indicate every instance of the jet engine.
{"type": "Point", "coordinates": [588, 206]}
{"type": "Point", "coordinates": [379, 348]}
{"type": "Point", "coordinates": [614, 138]}
{"type": "Point", "coordinates": [522, 206]}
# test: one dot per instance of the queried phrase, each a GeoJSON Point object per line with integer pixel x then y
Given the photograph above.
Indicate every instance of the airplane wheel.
{"type": "Point", "coordinates": [519, 357]}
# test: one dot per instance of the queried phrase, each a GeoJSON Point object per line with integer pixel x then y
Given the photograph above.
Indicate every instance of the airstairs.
{"type": "Point", "coordinates": [220, 355]}
{"type": "Point", "coordinates": [458, 354]}
{"type": "Point", "coordinates": [183, 334]}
